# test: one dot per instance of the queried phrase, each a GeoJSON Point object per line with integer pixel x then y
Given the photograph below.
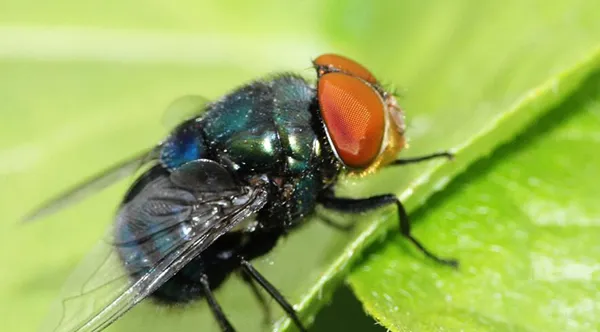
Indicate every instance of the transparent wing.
{"type": "Point", "coordinates": [166, 222]}
{"type": "Point", "coordinates": [184, 108]}
{"type": "Point", "coordinates": [92, 185]}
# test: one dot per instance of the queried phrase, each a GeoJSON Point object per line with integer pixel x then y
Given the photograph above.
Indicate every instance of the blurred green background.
{"type": "Point", "coordinates": [83, 85]}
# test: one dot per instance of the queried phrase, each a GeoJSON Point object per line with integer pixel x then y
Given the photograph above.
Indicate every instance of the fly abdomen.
{"type": "Point", "coordinates": [141, 252]}
{"type": "Point", "coordinates": [153, 221]}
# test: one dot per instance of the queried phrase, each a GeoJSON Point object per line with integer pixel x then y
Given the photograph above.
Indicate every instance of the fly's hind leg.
{"type": "Point", "coordinates": [273, 292]}
{"type": "Point", "coordinates": [215, 307]}
{"type": "Point", "coordinates": [267, 317]}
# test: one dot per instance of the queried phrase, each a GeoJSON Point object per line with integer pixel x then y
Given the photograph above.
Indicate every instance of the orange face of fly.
{"type": "Point", "coordinates": [363, 122]}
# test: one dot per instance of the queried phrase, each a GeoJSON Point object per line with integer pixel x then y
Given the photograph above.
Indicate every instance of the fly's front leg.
{"type": "Point", "coordinates": [407, 161]}
{"type": "Point", "coordinates": [351, 205]}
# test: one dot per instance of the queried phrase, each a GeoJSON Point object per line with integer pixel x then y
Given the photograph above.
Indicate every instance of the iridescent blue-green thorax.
{"type": "Point", "coordinates": [266, 128]}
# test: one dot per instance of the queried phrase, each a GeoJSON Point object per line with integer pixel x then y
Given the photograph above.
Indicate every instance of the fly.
{"type": "Point", "coordinates": [228, 183]}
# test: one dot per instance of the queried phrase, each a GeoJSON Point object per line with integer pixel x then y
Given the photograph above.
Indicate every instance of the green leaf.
{"type": "Point", "coordinates": [84, 85]}
{"type": "Point", "coordinates": [525, 224]}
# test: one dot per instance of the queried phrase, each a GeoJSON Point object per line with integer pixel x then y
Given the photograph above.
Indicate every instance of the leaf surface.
{"type": "Point", "coordinates": [525, 224]}
{"type": "Point", "coordinates": [85, 85]}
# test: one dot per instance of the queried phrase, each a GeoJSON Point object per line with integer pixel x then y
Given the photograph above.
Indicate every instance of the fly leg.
{"type": "Point", "coordinates": [215, 307]}
{"type": "Point", "coordinates": [337, 225]}
{"type": "Point", "coordinates": [328, 192]}
{"type": "Point", "coordinates": [267, 318]}
{"type": "Point", "coordinates": [275, 294]}
{"type": "Point", "coordinates": [443, 154]}
{"type": "Point", "coordinates": [397, 162]}
{"type": "Point", "coordinates": [351, 205]}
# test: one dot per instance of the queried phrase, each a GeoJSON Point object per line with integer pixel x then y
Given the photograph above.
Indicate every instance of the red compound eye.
{"type": "Point", "coordinates": [353, 113]}
{"type": "Point", "coordinates": [343, 64]}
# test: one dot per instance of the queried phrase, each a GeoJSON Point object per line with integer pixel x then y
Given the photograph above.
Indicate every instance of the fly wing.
{"type": "Point", "coordinates": [167, 221]}
{"type": "Point", "coordinates": [181, 109]}
{"type": "Point", "coordinates": [92, 185]}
